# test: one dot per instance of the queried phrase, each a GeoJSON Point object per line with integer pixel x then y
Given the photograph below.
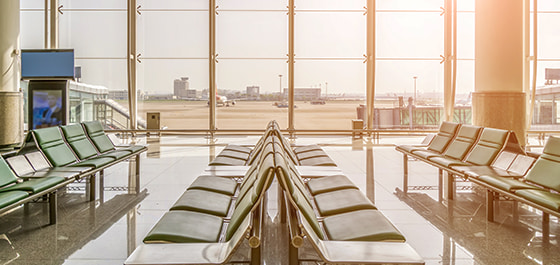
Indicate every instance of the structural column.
{"type": "Point", "coordinates": [11, 106]}
{"type": "Point", "coordinates": [370, 67]}
{"type": "Point", "coordinates": [131, 63]}
{"type": "Point", "coordinates": [499, 100]}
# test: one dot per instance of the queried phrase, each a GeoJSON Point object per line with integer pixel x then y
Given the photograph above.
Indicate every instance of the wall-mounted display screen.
{"type": "Point", "coordinates": [48, 104]}
{"type": "Point", "coordinates": [47, 64]}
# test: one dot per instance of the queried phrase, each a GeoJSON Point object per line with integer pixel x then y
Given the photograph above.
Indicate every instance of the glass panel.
{"type": "Point", "coordinates": [549, 39]}
{"type": "Point", "coordinates": [32, 4]}
{"type": "Point", "coordinates": [88, 4]}
{"type": "Point", "coordinates": [548, 5]}
{"type": "Point", "coordinates": [465, 5]}
{"type": "Point", "coordinates": [32, 29]}
{"type": "Point", "coordinates": [344, 81]}
{"type": "Point", "coordinates": [465, 81]}
{"type": "Point", "coordinates": [110, 73]}
{"type": "Point", "coordinates": [173, 4]}
{"type": "Point", "coordinates": [252, 4]}
{"type": "Point", "coordinates": [409, 35]}
{"type": "Point", "coordinates": [181, 108]}
{"type": "Point", "coordinates": [237, 34]}
{"type": "Point", "coordinates": [237, 79]}
{"type": "Point", "coordinates": [168, 34]}
{"type": "Point", "coordinates": [409, 5]}
{"type": "Point", "coordinates": [330, 4]}
{"type": "Point", "coordinates": [324, 35]}
{"type": "Point", "coordinates": [87, 34]}
{"type": "Point", "coordinates": [465, 35]}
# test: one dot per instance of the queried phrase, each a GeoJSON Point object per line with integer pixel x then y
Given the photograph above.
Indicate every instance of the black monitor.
{"type": "Point", "coordinates": [47, 64]}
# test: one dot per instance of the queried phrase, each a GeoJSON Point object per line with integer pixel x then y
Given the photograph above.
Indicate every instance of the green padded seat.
{"type": "Point", "coordinates": [203, 201]}
{"type": "Point", "coordinates": [364, 225]}
{"type": "Point", "coordinates": [9, 197]}
{"type": "Point", "coordinates": [447, 161]}
{"type": "Point", "coordinates": [329, 183]}
{"type": "Point", "coordinates": [185, 227]}
{"type": "Point", "coordinates": [222, 185]}
{"type": "Point", "coordinates": [35, 185]}
{"type": "Point", "coordinates": [227, 161]}
{"type": "Point", "coordinates": [238, 148]}
{"type": "Point", "coordinates": [477, 171]}
{"type": "Point", "coordinates": [341, 201]}
{"type": "Point", "coordinates": [446, 132]}
{"type": "Point", "coordinates": [306, 148]}
{"type": "Point", "coordinates": [234, 154]}
{"type": "Point", "coordinates": [461, 145]}
{"type": "Point", "coordinates": [507, 184]}
{"type": "Point", "coordinates": [77, 139]}
{"type": "Point", "coordinates": [311, 154]}
{"type": "Point", "coordinates": [51, 142]}
{"type": "Point", "coordinates": [425, 154]}
{"type": "Point", "coordinates": [95, 162]}
{"type": "Point", "coordinates": [96, 133]}
{"type": "Point", "coordinates": [541, 197]}
{"type": "Point", "coordinates": [131, 148]}
{"type": "Point", "coordinates": [305, 208]}
{"type": "Point", "coordinates": [242, 209]}
{"type": "Point", "coordinates": [546, 169]}
{"type": "Point", "coordinates": [487, 147]}
{"type": "Point", "coordinates": [318, 161]}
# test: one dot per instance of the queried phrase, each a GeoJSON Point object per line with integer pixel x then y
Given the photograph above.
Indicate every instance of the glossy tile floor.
{"type": "Point", "coordinates": [108, 230]}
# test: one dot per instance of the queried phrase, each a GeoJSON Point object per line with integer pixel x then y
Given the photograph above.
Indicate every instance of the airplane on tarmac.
{"type": "Point", "coordinates": [223, 101]}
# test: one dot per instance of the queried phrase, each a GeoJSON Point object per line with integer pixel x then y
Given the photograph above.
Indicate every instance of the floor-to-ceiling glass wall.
{"type": "Point", "coordinates": [251, 48]}
{"type": "Point", "coordinates": [173, 62]}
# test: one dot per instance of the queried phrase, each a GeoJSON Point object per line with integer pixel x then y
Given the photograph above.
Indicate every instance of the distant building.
{"type": "Point", "coordinates": [253, 92]}
{"type": "Point", "coordinates": [123, 94]}
{"type": "Point", "coordinates": [304, 93]}
{"type": "Point", "coordinates": [181, 87]}
{"type": "Point", "coordinates": [160, 97]}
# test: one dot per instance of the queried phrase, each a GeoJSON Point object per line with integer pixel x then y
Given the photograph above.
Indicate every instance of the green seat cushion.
{"type": "Point", "coordinates": [329, 183]}
{"type": "Point", "coordinates": [447, 161]}
{"type": "Point", "coordinates": [222, 185]}
{"type": "Point", "coordinates": [9, 197]}
{"type": "Point", "coordinates": [77, 139]}
{"type": "Point", "coordinates": [51, 142]}
{"type": "Point", "coordinates": [50, 173]}
{"type": "Point", "coordinates": [227, 161]}
{"type": "Point", "coordinates": [96, 162]}
{"type": "Point", "coordinates": [425, 154]}
{"type": "Point", "coordinates": [477, 171]}
{"type": "Point", "coordinates": [364, 225]}
{"type": "Point", "coordinates": [487, 147]}
{"type": "Point", "coordinates": [116, 154]}
{"type": "Point", "coordinates": [132, 148]}
{"type": "Point", "coordinates": [342, 201]}
{"type": "Point", "coordinates": [541, 197]}
{"type": "Point", "coordinates": [185, 227]}
{"type": "Point", "coordinates": [311, 154]}
{"type": "Point", "coordinates": [410, 148]}
{"type": "Point", "coordinates": [305, 208]}
{"type": "Point", "coordinates": [204, 202]}
{"type": "Point", "coordinates": [306, 148]}
{"type": "Point", "coordinates": [239, 148]}
{"type": "Point", "coordinates": [242, 209]}
{"type": "Point", "coordinates": [97, 135]}
{"type": "Point", "coordinates": [7, 176]}
{"type": "Point", "coordinates": [35, 185]}
{"type": "Point", "coordinates": [507, 184]}
{"type": "Point", "coordinates": [318, 161]}
{"type": "Point", "coordinates": [234, 154]}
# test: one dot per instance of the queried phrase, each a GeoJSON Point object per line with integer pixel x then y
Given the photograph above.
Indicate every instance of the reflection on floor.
{"type": "Point", "coordinates": [108, 230]}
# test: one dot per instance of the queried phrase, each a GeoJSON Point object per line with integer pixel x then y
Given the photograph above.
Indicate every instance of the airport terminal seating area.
{"type": "Point", "coordinates": [494, 160]}
{"type": "Point", "coordinates": [51, 158]}
{"type": "Point", "coordinates": [226, 205]}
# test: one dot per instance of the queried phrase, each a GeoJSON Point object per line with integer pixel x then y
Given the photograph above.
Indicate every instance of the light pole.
{"type": "Point", "coordinates": [415, 78]}
{"type": "Point", "coordinates": [326, 91]}
{"type": "Point", "coordinates": [280, 95]}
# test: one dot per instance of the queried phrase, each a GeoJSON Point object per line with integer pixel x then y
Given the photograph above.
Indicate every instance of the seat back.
{"type": "Point", "coordinates": [490, 143]}
{"type": "Point", "coordinates": [462, 144]}
{"type": "Point", "coordinates": [7, 176]}
{"type": "Point", "coordinates": [51, 142]}
{"type": "Point", "coordinates": [504, 160]}
{"type": "Point", "coordinates": [521, 164]}
{"type": "Point", "coordinates": [77, 139]}
{"type": "Point", "coordinates": [446, 132]}
{"type": "Point", "coordinates": [37, 160]}
{"type": "Point", "coordinates": [96, 134]}
{"type": "Point", "coordinates": [546, 170]}
{"type": "Point", "coordinates": [20, 165]}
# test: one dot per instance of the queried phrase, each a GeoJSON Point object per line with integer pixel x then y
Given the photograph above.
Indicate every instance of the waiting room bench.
{"type": "Point", "coordinates": [469, 146]}
{"type": "Point", "coordinates": [341, 224]}
{"type": "Point", "coordinates": [211, 219]}
{"type": "Point", "coordinates": [80, 148]}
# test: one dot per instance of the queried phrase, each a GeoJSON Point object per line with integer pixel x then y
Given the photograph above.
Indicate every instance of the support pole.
{"type": "Point", "coordinates": [131, 65]}
{"type": "Point", "coordinates": [212, 90]}
{"type": "Point", "coordinates": [291, 62]}
{"type": "Point", "coordinates": [370, 63]}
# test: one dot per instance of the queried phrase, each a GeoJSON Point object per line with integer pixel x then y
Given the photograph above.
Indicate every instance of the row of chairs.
{"type": "Point", "coordinates": [52, 158]}
{"type": "Point", "coordinates": [505, 169]}
{"type": "Point", "coordinates": [202, 227]}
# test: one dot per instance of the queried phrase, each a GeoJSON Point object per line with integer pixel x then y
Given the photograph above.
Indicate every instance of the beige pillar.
{"type": "Point", "coordinates": [11, 107]}
{"type": "Point", "coordinates": [499, 99]}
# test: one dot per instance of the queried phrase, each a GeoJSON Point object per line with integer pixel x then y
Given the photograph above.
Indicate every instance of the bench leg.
{"type": "Point", "coordinates": [546, 228]}
{"type": "Point", "coordinates": [52, 207]}
{"type": "Point", "coordinates": [92, 187]}
{"type": "Point", "coordinates": [450, 186]}
{"type": "Point", "coordinates": [137, 173]}
{"type": "Point", "coordinates": [440, 185]}
{"type": "Point", "coordinates": [282, 208]}
{"type": "Point", "coordinates": [405, 173]}
{"type": "Point", "coordinates": [293, 253]}
{"type": "Point", "coordinates": [490, 205]}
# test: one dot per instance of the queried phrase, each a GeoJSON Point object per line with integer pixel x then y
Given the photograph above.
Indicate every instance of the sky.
{"type": "Point", "coordinates": [251, 43]}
